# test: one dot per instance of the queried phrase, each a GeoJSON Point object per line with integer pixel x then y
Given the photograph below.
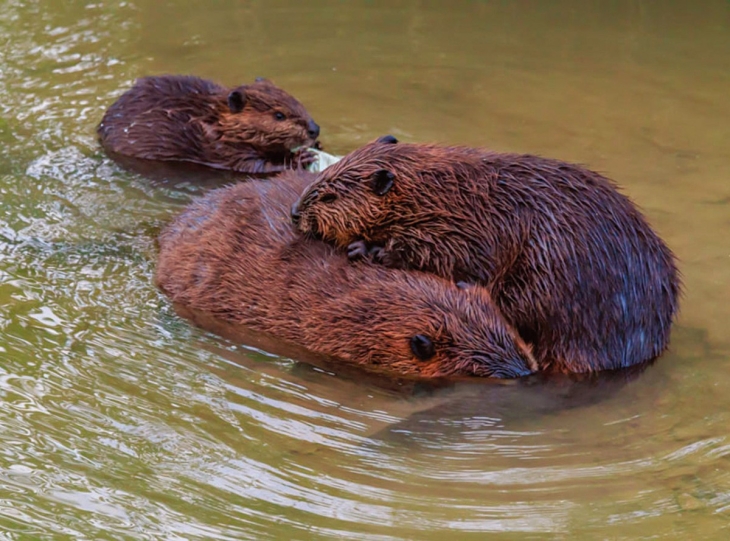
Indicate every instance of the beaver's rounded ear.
{"type": "Point", "coordinates": [382, 181]}
{"type": "Point", "coordinates": [236, 100]}
{"type": "Point", "coordinates": [386, 140]}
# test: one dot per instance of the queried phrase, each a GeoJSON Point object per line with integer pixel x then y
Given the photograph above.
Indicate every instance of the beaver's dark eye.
{"type": "Point", "coordinates": [279, 115]}
{"type": "Point", "coordinates": [422, 347]}
{"type": "Point", "coordinates": [328, 197]}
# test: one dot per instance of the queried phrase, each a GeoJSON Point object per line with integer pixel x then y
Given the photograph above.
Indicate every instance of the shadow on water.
{"type": "Point", "coordinates": [514, 405]}
{"type": "Point", "coordinates": [191, 178]}
{"type": "Point", "coordinates": [437, 407]}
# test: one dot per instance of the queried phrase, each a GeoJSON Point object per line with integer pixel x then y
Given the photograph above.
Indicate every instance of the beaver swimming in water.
{"type": "Point", "coordinates": [254, 128]}
{"type": "Point", "coordinates": [235, 254]}
{"type": "Point", "coordinates": [571, 263]}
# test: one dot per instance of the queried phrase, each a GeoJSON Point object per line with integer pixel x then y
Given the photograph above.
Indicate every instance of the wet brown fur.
{"type": "Point", "coordinates": [183, 118]}
{"type": "Point", "coordinates": [571, 263]}
{"type": "Point", "coordinates": [235, 254]}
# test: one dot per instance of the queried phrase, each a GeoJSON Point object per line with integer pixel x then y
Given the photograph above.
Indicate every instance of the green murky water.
{"type": "Point", "coordinates": [120, 421]}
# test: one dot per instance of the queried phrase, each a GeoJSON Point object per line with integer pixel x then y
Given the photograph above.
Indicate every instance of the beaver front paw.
{"type": "Point", "coordinates": [378, 254]}
{"type": "Point", "coordinates": [374, 254]}
{"type": "Point", "coordinates": [303, 158]}
{"type": "Point", "coordinates": [357, 250]}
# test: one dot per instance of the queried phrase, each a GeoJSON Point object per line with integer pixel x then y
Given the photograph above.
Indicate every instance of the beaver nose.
{"type": "Point", "coordinates": [295, 214]}
{"type": "Point", "coordinates": [313, 129]}
{"type": "Point", "coordinates": [515, 369]}
{"type": "Point", "coordinates": [520, 372]}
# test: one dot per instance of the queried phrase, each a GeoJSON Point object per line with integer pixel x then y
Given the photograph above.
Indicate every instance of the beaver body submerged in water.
{"type": "Point", "coordinates": [570, 262]}
{"type": "Point", "coordinates": [235, 255]}
{"type": "Point", "coordinates": [254, 128]}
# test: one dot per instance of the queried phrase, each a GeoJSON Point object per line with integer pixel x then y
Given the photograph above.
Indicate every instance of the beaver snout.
{"type": "Point", "coordinates": [502, 363]}
{"type": "Point", "coordinates": [313, 129]}
{"type": "Point", "coordinates": [519, 372]}
{"type": "Point", "coordinates": [295, 214]}
{"type": "Point", "coordinates": [301, 205]}
{"type": "Point", "coordinates": [303, 201]}
{"type": "Point", "coordinates": [508, 368]}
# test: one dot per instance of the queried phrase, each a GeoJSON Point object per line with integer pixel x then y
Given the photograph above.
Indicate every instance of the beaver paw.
{"type": "Point", "coordinates": [357, 250]}
{"type": "Point", "coordinates": [378, 254]}
{"type": "Point", "coordinates": [303, 158]}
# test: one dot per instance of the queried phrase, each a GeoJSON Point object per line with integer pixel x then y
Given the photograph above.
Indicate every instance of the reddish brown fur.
{"type": "Point", "coordinates": [570, 262]}
{"type": "Point", "coordinates": [235, 255]}
{"type": "Point", "coordinates": [181, 118]}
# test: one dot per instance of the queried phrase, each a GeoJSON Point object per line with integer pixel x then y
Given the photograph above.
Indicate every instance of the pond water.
{"type": "Point", "coordinates": [119, 420]}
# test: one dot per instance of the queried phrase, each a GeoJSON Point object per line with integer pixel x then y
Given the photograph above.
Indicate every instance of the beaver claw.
{"type": "Point", "coordinates": [357, 250]}
{"type": "Point", "coordinates": [375, 254]}
{"type": "Point", "coordinates": [378, 254]}
{"type": "Point", "coordinates": [303, 158]}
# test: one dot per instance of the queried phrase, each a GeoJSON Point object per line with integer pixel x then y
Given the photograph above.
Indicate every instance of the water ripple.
{"type": "Point", "coordinates": [118, 420]}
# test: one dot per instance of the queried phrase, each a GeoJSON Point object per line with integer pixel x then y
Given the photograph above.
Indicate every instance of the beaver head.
{"type": "Point", "coordinates": [264, 116]}
{"type": "Point", "coordinates": [380, 187]}
{"type": "Point", "coordinates": [426, 326]}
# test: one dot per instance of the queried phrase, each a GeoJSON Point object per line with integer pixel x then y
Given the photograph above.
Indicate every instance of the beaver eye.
{"type": "Point", "coordinates": [422, 347]}
{"type": "Point", "coordinates": [328, 198]}
{"type": "Point", "coordinates": [278, 115]}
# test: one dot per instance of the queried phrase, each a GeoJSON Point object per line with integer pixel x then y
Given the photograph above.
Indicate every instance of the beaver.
{"type": "Point", "coordinates": [255, 128]}
{"type": "Point", "coordinates": [570, 262]}
{"type": "Point", "coordinates": [235, 255]}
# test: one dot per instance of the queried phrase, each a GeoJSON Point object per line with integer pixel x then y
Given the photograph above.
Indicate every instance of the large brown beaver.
{"type": "Point", "coordinates": [252, 128]}
{"type": "Point", "coordinates": [570, 262]}
{"type": "Point", "coordinates": [235, 254]}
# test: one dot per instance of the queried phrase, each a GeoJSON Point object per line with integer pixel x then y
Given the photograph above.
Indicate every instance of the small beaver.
{"type": "Point", "coordinates": [235, 254]}
{"type": "Point", "coordinates": [253, 128]}
{"type": "Point", "coordinates": [571, 263]}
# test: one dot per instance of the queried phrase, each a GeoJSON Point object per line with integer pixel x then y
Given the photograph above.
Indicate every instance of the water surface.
{"type": "Point", "coordinates": [119, 420]}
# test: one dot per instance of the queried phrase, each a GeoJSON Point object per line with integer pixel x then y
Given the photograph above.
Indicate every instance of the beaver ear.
{"type": "Point", "coordinates": [236, 100]}
{"type": "Point", "coordinates": [382, 181]}
{"type": "Point", "coordinates": [422, 347]}
{"type": "Point", "coordinates": [386, 140]}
